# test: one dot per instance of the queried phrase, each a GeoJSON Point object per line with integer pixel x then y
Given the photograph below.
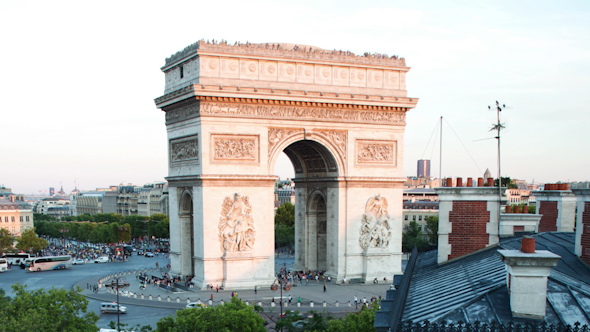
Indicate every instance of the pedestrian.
{"type": "Point", "coordinates": [356, 301]}
{"type": "Point", "coordinates": [211, 297]}
{"type": "Point", "coordinates": [255, 289]}
{"type": "Point", "coordinates": [217, 288]}
{"type": "Point", "coordinates": [289, 299]}
{"type": "Point", "coordinates": [232, 294]}
{"type": "Point", "coordinates": [299, 299]}
{"type": "Point", "coordinates": [324, 288]}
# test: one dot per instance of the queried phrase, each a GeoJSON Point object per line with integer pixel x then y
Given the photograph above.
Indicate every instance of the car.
{"type": "Point", "coordinates": [102, 259]}
{"type": "Point", "coordinates": [139, 252]}
{"type": "Point", "coordinates": [149, 254]}
{"type": "Point", "coordinates": [78, 261]}
{"type": "Point", "coordinates": [111, 308]}
{"type": "Point", "coordinates": [126, 293]}
{"type": "Point", "coordinates": [195, 305]}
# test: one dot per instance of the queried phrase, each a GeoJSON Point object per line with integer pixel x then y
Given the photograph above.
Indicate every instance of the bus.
{"type": "Point", "coordinates": [50, 263]}
{"type": "Point", "coordinates": [16, 259]}
{"type": "Point", "coordinates": [3, 265]}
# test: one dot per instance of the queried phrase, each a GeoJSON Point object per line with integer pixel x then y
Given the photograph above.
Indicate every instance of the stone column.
{"type": "Point", "coordinates": [558, 207]}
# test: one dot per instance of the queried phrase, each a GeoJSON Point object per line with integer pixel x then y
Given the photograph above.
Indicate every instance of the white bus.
{"type": "Point", "coordinates": [3, 265]}
{"type": "Point", "coordinates": [15, 259]}
{"type": "Point", "coordinates": [50, 263]}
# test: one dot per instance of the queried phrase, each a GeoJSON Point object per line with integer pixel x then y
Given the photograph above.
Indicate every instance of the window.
{"type": "Point", "coordinates": [6, 219]}
{"type": "Point", "coordinates": [406, 217]}
{"type": "Point", "coordinates": [21, 218]}
{"type": "Point", "coordinates": [414, 217]}
{"type": "Point", "coordinates": [12, 218]}
{"type": "Point", "coordinates": [27, 218]}
{"type": "Point", "coordinates": [420, 218]}
{"type": "Point", "coordinates": [181, 71]}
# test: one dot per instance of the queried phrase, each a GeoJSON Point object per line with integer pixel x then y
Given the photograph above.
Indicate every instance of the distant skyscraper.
{"type": "Point", "coordinates": [51, 191]}
{"type": "Point", "coordinates": [424, 168]}
{"type": "Point", "coordinates": [487, 174]}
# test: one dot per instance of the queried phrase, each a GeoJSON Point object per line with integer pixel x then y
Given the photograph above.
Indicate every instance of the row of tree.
{"type": "Point", "coordinates": [28, 241]}
{"type": "Point", "coordinates": [105, 227]}
{"type": "Point", "coordinates": [67, 310]}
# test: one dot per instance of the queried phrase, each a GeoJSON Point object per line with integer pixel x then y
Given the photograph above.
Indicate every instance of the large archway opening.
{"type": "Point", "coordinates": [314, 171]}
{"type": "Point", "coordinates": [187, 233]}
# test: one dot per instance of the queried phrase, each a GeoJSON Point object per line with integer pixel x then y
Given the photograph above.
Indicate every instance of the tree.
{"type": "Point", "coordinates": [432, 231]}
{"type": "Point", "coordinates": [285, 214]}
{"type": "Point", "coordinates": [229, 317]}
{"type": "Point", "coordinates": [506, 182]}
{"type": "Point", "coordinates": [6, 240]}
{"type": "Point", "coordinates": [363, 320]}
{"type": "Point", "coordinates": [42, 217]}
{"type": "Point", "coordinates": [412, 238]}
{"type": "Point", "coordinates": [30, 242]}
{"type": "Point", "coordinates": [39, 310]}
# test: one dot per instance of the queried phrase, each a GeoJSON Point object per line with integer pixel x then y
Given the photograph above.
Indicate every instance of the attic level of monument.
{"type": "Point", "coordinates": [284, 51]}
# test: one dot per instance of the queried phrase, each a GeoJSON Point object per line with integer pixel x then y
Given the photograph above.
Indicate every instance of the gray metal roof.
{"type": "Point", "coordinates": [473, 288]}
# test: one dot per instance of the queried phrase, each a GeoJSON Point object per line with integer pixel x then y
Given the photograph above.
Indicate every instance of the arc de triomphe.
{"type": "Point", "coordinates": [340, 118]}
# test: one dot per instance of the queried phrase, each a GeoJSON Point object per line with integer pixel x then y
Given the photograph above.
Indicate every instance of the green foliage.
{"type": "Point", "coordinates": [6, 240]}
{"type": "Point", "coordinates": [285, 215]}
{"type": "Point", "coordinates": [432, 231]}
{"type": "Point", "coordinates": [127, 327]}
{"type": "Point", "coordinates": [30, 242]}
{"type": "Point", "coordinates": [43, 217]}
{"type": "Point", "coordinates": [39, 310]}
{"type": "Point", "coordinates": [506, 182]}
{"type": "Point", "coordinates": [532, 209]}
{"type": "Point", "coordinates": [356, 321]}
{"type": "Point", "coordinates": [412, 238]}
{"type": "Point", "coordinates": [229, 317]}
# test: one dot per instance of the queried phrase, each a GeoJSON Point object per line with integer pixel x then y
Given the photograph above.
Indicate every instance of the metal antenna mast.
{"type": "Point", "coordinates": [498, 127]}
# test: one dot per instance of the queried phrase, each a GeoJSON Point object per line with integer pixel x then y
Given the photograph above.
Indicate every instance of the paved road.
{"type": "Point", "coordinates": [146, 312]}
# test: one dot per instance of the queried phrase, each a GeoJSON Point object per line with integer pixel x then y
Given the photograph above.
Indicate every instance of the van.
{"type": "Point", "coordinates": [102, 259]}
{"type": "Point", "coordinates": [111, 308]}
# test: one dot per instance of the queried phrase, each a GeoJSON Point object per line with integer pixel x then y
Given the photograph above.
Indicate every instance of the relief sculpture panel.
{"type": "Point", "coordinates": [336, 137]}
{"type": "Point", "coordinates": [277, 135]}
{"type": "Point", "coordinates": [236, 225]}
{"type": "Point", "coordinates": [376, 153]}
{"type": "Point", "coordinates": [235, 148]}
{"type": "Point", "coordinates": [375, 224]}
{"type": "Point", "coordinates": [182, 149]}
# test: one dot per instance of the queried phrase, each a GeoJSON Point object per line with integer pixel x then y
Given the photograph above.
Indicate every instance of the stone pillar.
{"type": "Point", "coordinates": [468, 220]}
{"type": "Point", "coordinates": [558, 207]}
{"type": "Point", "coordinates": [526, 278]}
{"type": "Point", "coordinates": [583, 224]}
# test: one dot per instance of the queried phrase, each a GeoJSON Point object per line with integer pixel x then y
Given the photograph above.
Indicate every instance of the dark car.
{"type": "Point", "coordinates": [140, 252]}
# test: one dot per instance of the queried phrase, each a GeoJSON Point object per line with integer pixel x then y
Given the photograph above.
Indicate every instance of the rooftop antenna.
{"type": "Point", "coordinates": [498, 127]}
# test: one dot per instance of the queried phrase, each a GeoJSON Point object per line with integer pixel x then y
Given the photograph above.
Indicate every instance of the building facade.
{"type": "Point", "coordinates": [16, 215]}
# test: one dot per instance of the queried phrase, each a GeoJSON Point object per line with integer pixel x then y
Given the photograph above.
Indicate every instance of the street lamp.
{"type": "Point", "coordinates": [286, 287]}
{"type": "Point", "coordinates": [63, 233]}
{"type": "Point", "coordinates": [116, 284]}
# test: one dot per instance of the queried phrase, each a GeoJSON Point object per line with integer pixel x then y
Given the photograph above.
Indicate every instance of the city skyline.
{"type": "Point", "coordinates": [79, 92]}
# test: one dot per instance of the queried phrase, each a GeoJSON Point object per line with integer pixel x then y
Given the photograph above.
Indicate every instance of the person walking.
{"type": "Point", "coordinates": [324, 288]}
{"type": "Point", "coordinates": [255, 289]}
{"type": "Point", "coordinates": [356, 301]}
{"type": "Point", "coordinates": [289, 299]}
{"type": "Point", "coordinates": [217, 288]}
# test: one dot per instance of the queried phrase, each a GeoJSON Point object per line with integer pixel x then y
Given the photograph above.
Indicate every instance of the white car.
{"type": "Point", "coordinates": [111, 308]}
{"type": "Point", "coordinates": [149, 254]}
{"type": "Point", "coordinates": [78, 261]}
{"type": "Point", "coordinates": [195, 305]}
{"type": "Point", "coordinates": [102, 259]}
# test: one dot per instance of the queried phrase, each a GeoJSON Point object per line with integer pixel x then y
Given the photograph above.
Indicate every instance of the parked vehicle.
{"type": "Point", "coordinates": [195, 305]}
{"type": "Point", "coordinates": [3, 265]}
{"type": "Point", "coordinates": [111, 308]}
{"type": "Point", "coordinates": [78, 261]}
{"type": "Point", "coordinates": [102, 259]}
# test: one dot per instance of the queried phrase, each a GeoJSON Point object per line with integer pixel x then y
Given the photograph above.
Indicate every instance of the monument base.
{"type": "Point", "coordinates": [379, 263]}
{"type": "Point", "coordinates": [240, 271]}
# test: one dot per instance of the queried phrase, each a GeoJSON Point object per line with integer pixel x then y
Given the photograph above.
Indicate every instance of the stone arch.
{"type": "Point", "coordinates": [316, 220]}
{"type": "Point", "coordinates": [187, 232]}
{"type": "Point", "coordinates": [325, 149]}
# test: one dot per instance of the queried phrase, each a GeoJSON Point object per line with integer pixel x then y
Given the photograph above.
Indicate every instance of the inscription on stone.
{"type": "Point", "coordinates": [182, 113]}
{"type": "Point", "coordinates": [376, 152]}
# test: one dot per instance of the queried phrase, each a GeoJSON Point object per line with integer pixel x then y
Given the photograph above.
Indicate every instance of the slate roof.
{"type": "Point", "coordinates": [473, 288]}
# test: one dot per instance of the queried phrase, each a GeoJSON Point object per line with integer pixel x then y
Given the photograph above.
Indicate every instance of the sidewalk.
{"type": "Point", "coordinates": [336, 298]}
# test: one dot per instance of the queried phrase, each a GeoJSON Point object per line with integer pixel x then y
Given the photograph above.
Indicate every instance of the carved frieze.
{"type": "Point", "coordinates": [235, 148]}
{"type": "Point", "coordinates": [375, 224]}
{"type": "Point", "coordinates": [236, 225]}
{"type": "Point", "coordinates": [182, 113]}
{"type": "Point", "coordinates": [298, 113]}
{"type": "Point", "coordinates": [373, 152]}
{"type": "Point", "coordinates": [186, 148]}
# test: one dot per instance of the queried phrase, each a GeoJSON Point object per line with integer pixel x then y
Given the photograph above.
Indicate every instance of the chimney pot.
{"type": "Point", "coordinates": [508, 208]}
{"type": "Point", "coordinates": [469, 182]}
{"type": "Point", "coordinates": [480, 182]}
{"type": "Point", "coordinates": [449, 182]}
{"type": "Point", "coordinates": [528, 244]}
{"type": "Point", "coordinates": [517, 209]}
{"type": "Point", "coordinates": [11, 199]}
{"type": "Point", "coordinates": [567, 186]}
{"type": "Point", "coordinates": [525, 209]}
{"type": "Point", "coordinates": [459, 182]}
{"type": "Point", "coordinates": [490, 182]}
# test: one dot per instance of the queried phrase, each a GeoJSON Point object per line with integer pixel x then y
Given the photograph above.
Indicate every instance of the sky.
{"type": "Point", "coordinates": [79, 79]}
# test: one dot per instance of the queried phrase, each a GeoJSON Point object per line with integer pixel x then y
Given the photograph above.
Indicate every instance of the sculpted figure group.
{"type": "Point", "coordinates": [236, 226]}
{"type": "Point", "coordinates": [375, 224]}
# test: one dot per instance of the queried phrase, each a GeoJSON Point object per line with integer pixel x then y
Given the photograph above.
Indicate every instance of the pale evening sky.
{"type": "Point", "coordinates": [79, 78]}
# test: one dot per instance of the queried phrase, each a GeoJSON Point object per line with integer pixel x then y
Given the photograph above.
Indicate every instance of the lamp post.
{"type": "Point", "coordinates": [286, 287]}
{"type": "Point", "coordinates": [116, 284]}
{"type": "Point", "coordinates": [63, 234]}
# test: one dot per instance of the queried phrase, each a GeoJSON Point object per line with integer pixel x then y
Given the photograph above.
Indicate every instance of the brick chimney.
{"type": "Point", "coordinates": [557, 204]}
{"type": "Point", "coordinates": [583, 224]}
{"type": "Point", "coordinates": [468, 220]}
{"type": "Point", "coordinates": [527, 270]}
